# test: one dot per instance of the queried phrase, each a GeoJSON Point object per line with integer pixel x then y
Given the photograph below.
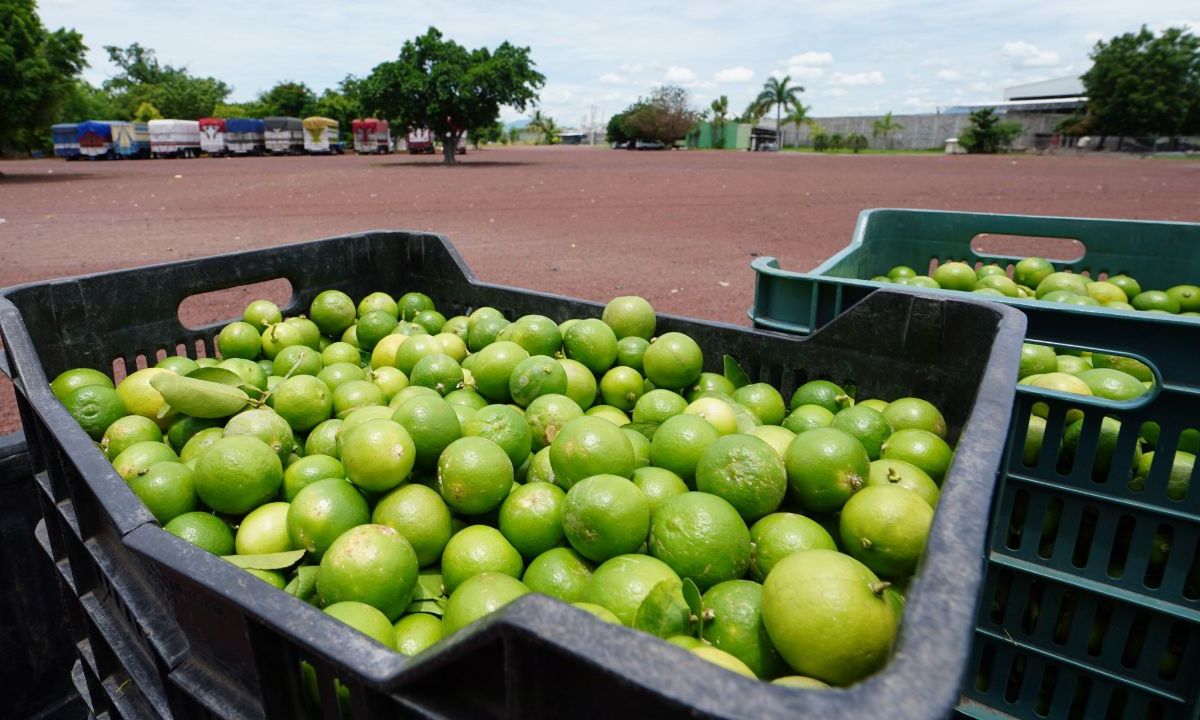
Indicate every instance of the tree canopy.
{"type": "Point", "coordinates": [438, 84]}
{"type": "Point", "coordinates": [173, 91]}
{"type": "Point", "coordinates": [37, 73]}
{"type": "Point", "coordinates": [988, 133]}
{"type": "Point", "coordinates": [1141, 84]}
{"type": "Point", "coordinates": [666, 116]}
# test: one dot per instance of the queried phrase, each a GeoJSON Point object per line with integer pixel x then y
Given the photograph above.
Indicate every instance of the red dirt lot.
{"type": "Point", "coordinates": [679, 228]}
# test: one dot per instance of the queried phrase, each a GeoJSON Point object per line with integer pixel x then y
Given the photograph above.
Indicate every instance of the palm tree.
{"type": "Point", "coordinates": [779, 93]}
{"type": "Point", "coordinates": [720, 108]}
{"type": "Point", "coordinates": [797, 115]}
{"type": "Point", "coordinates": [885, 126]}
{"type": "Point", "coordinates": [543, 124]}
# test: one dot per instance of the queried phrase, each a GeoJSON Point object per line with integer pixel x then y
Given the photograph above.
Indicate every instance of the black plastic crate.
{"type": "Point", "coordinates": [36, 653]}
{"type": "Point", "coordinates": [243, 641]}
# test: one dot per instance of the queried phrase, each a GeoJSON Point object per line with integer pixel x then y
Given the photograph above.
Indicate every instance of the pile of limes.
{"type": "Point", "coordinates": [411, 474]}
{"type": "Point", "coordinates": [1036, 278]}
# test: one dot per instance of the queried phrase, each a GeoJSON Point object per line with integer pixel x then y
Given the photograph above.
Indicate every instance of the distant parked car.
{"type": "Point", "coordinates": [648, 145]}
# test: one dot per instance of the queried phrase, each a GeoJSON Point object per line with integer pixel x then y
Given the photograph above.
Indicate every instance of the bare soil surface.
{"type": "Point", "coordinates": [678, 228]}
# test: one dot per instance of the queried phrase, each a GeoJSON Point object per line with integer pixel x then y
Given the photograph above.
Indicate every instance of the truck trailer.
{"type": "Point", "coordinates": [283, 135]}
{"type": "Point", "coordinates": [66, 142]}
{"type": "Point", "coordinates": [371, 135]}
{"type": "Point", "coordinates": [174, 138]}
{"type": "Point", "coordinates": [321, 136]}
{"type": "Point", "coordinates": [244, 136]}
{"type": "Point", "coordinates": [130, 140]}
{"type": "Point", "coordinates": [212, 136]}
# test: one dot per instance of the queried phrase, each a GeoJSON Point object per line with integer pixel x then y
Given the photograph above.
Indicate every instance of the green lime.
{"type": "Point", "coordinates": [322, 440]}
{"type": "Point", "coordinates": [138, 457]}
{"type": "Point", "coordinates": [673, 361]}
{"type": "Point", "coordinates": [140, 397]}
{"type": "Point", "coordinates": [736, 626]}
{"type": "Point", "coordinates": [658, 405]}
{"type": "Point", "coordinates": [1128, 285]}
{"type": "Point", "coordinates": [266, 425]}
{"type": "Point", "coordinates": [601, 613]}
{"type": "Point", "coordinates": [71, 380]}
{"type": "Point", "coordinates": [630, 316]}
{"type": "Point", "coordinates": [592, 343]}
{"type": "Point", "coordinates": [825, 467]}
{"type": "Point", "coordinates": [901, 271]}
{"type": "Point", "coordinates": [1136, 368]}
{"type": "Point", "coordinates": [297, 360]}
{"type": "Point", "coordinates": [308, 470]}
{"type": "Point", "coordinates": [432, 424]}
{"type": "Point", "coordinates": [127, 431]}
{"type": "Point", "coordinates": [535, 376]}
{"type": "Point", "coordinates": [504, 426]}
{"type": "Point", "coordinates": [278, 336]}
{"type": "Point", "coordinates": [368, 621]}
{"type": "Point", "coordinates": [664, 613]}
{"type": "Point", "coordinates": [540, 469]}
{"type": "Point", "coordinates": [538, 334]}
{"type": "Point", "coordinates": [485, 331]}
{"type": "Point", "coordinates": [333, 311]}
{"type": "Point", "coordinates": [621, 387]}
{"type": "Point", "coordinates": [604, 516]}
{"type": "Point", "coordinates": [821, 392]}
{"type": "Point", "coordinates": [531, 518]}
{"type": "Point", "coordinates": [547, 415]}
{"type": "Point", "coordinates": [1112, 384]}
{"type": "Point", "coordinates": [609, 414]}
{"type": "Point", "coordinates": [474, 475]}
{"type": "Point", "coordinates": [590, 446]}
{"type": "Point", "coordinates": [808, 417]}
{"type": "Point", "coordinates": [95, 408]}
{"type": "Point", "coordinates": [310, 334]}
{"type": "Point", "coordinates": [199, 444]}
{"type": "Point", "coordinates": [478, 597]}
{"type": "Point", "coordinates": [338, 374]}
{"type": "Point", "coordinates": [439, 372]}
{"type": "Point", "coordinates": [478, 549]}
{"type": "Point", "coordinates": [780, 534]}
{"type": "Point", "coordinates": [378, 301]}
{"type": "Point", "coordinates": [1155, 300]}
{"type": "Point", "coordinates": [870, 427]}
{"type": "Point", "coordinates": [908, 476]}
{"type": "Point", "coordinates": [493, 369]}
{"type": "Point", "coordinates": [956, 276]}
{"type": "Point", "coordinates": [185, 428]}
{"type": "Point", "coordinates": [829, 616]}
{"type": "Point", "coordinates": [421, 516]}
{"type": "Point", "coordinates": [921, 448]}
{"type": "Point", "coordinates": [303, 401]}
{"type": "Point", "coordinates": [264, 530]}
{"type": "Point", "coordinates": [678, 444]}
{"type": "Point", "coordinates": [378, 455]}
{"type": "Point", "coordinates": [178, 364]}
{"type": "Point", "coordinates": [913, 412]}
{"type": "Point", "coordinates": [341, 352]}
{"type": "Point", "coordinates": [620, 584]}
{"type": "Point", "coordinates": [432, 320]}
{"type": "Point", "coordinates": [800, 681]}
{"type": "Point", "coordinates": [885, 528]}
{"type": "Point", "coordinates": [354, 394]}
{"type": "Point", "coordinates": [641, 446]}
{"type": "Point", "coordinates": [372, 564]}
{"type": "Point", "coordinates": [710, 384]}
{"type": "Point", "coordinates": [1062, 281]}
{"type": "Point", "coordinates": [658, 484]}
{"type": "Point", "coordinates": [239, 340]}
{"type": "Point", "coordinates": [204, 530]}
{"type": "Point", "coordinates": [777, 437]}
{"type": "Point", "coordinates": [559, 572]}
{"type": "Point", "coordinates": [702, 537]}
{"type": "Point", "coordinates": [411, 303]}
{"type": "Point", "coordinates": [390, 380]}
{"type": "Point", "coordinates": [417, 632]}
{"type": "Point", "coordinates": [167, 490]}
{"type": "Point", "coordinates": [581, 383]}
{"type": "Point", "coordinates": [1105, 448]}
{"type": "Point", "coordinates": [262, 313]}
{"type": "Point", "coordinates": [764, 401]}
{"type": "Point", "coordinates": [744, 471]}
{"type": "Point", "coordinates": [322, 511]}
{"type": "Point", "coordinates": [237, 473]}
{"type": "Point", "coordinates": [1031, 271]}
{"type": "Point", "coordinates": [630, 351]}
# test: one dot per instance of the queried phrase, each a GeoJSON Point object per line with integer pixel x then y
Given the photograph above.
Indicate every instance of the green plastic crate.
{"type": "Point", "coordinates": [1091, 602]}
{"type": "Point", "coordinates": [1158, 254]}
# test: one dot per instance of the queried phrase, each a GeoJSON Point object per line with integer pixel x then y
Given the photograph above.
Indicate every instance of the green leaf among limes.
{"type": "Point", "coordinates": [267, 561]}
{"type": "Point", "coordinates": [217, 375]}
{"type": "Point", "coordinates": [734, 373]}
{"type": "Point", "coordinates": [304, 585]}
{"type": "Point", "coordinates": [427, 596]}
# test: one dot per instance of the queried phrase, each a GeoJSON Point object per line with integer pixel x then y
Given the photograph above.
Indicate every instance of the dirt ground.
{"type": "Point", "coordinates": [679, 228]}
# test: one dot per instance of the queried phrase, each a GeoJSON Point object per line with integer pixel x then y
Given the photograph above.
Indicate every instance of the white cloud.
{"type": "Point", "coordinates": [612, 79]}
{"type": "Point", "coordinates": [979, 87]}
{"type": "Point", "coordinates": [681, 75]}
{"type": "Point", "coordinates": [916, 102]}
{"type": "Point", "coordinates": [811, 58]}
{"type": "Point", "coordinates": [734, 75]}
{"type": "Point", "coordinates": [1022, 54]}
{"type": "Point", "coordinates": [835, 92]}
{"type": "Point", "coordinates": [1093, 37]}
{"type": "Point", "coordinates": [948, 75]}
{"type": "Point", "coordinates": [805, 72]}
{"type": "Point", "coordinates": [873, 77]}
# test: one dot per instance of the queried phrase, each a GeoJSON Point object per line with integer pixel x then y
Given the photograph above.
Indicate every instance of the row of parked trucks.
{"type": "Point", "coordinates": [115, 139]}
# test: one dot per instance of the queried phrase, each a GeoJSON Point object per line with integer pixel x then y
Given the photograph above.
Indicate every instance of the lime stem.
{"type": "Point", "coordinates": [879, 587]}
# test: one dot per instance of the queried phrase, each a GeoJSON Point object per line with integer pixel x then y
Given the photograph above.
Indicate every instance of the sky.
{"type": "Point", "coordinates": [861, 58]}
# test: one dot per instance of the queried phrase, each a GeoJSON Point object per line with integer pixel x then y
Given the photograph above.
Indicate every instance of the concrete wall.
{"type": "Point", "coordinates": [920, 131]}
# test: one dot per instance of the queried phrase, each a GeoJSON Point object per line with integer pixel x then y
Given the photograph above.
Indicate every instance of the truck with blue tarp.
{"type": "Point", "coordinates": [244, 136]}
{"type": "Point", "coordinates": [66, 142]}
{"type": "Point", "coordinates": [95, 139]}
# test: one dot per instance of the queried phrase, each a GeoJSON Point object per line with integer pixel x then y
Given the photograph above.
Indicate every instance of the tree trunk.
{"type": "Point", "coordinates": [778, 129]}
{"type": "Point", "coordinates": [449, 146]}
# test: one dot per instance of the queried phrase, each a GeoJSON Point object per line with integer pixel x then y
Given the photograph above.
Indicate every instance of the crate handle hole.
{"type": "Point", "coordinates": [204, 309]}
{"type": "Point", "coordinates": [1064, 250]}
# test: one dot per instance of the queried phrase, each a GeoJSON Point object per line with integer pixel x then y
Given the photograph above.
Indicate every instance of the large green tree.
{"type": "Point", "coordinates": [438, 84]}
{"type": "Point", "coordinates": [141, 78]}
{"type": "Point", "coordinates": [288, 98]}
{"type": "Point", "coordinates": [37, 71]}
{"type": "Point", "coordinates": [1141, 84]}
{"type": "Point", "coordinates": [780, 94]}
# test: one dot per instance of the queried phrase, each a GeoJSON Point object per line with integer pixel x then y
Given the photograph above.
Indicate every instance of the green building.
{"type": "Point", "coordinates": [730, 136]}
